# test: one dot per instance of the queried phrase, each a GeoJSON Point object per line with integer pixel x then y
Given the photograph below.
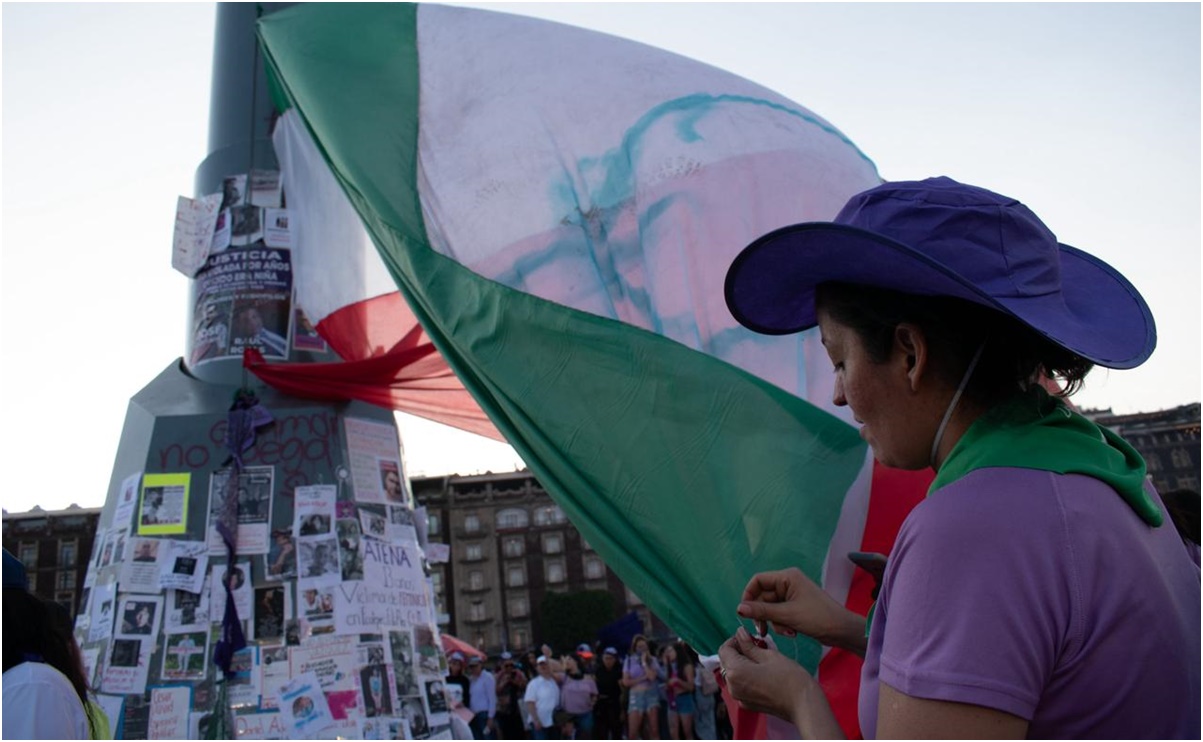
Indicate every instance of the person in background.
{"type": "Point", "coordinates": [455, 674]}
{"type": "Point", "coordinates": [45, 693]}
{"type": "Point", "coordinates": [584, 654]}
{"type": "Point", "coordinates": [680, 686]}
{"type": "Point", "coordinates": [483, 688]}
{"type": "Point", "coordinates": [705, 692]}
{"type": "Point", "coordinates": [639, 673]}
{"type": "Point", "coordinates": [1038, 591]}
{"type": "Point", "coordinates": [607, 712]}
{"type": "Point", "coordinates": [541, 699]}
{"type": "Point", "coordinates": [511, 685]}
{"type": "Point", "coordinates": [578, 694]}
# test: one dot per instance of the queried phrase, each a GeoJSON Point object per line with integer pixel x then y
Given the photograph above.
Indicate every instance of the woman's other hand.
{"type": "Point", "coordinates": [794, 604]}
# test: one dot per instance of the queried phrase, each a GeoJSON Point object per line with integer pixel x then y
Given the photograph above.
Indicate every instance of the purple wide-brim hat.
{"type": "Point", "coordinates": [938, 237]}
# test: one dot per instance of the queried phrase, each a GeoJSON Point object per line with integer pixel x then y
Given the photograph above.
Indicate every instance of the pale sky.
{"type": "Point", "coordinates": [1089, 113]}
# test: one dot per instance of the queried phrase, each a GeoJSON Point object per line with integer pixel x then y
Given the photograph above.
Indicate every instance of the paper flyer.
{"type": "Point", "coordinates": [275, 230]}
{"type": "Point", "coordinates": [376, 690]}
{"type": "Point", "coordinates": [266, 190]}
{"type": "Point", "coordinates": [239, 579]}
{"type": "Point", "coordinates": [138, 616]}
{"type": "Point", "coordinates": [188, 612]}
{"type": "Point", "coordinates": [267, 725]}
{"type": "Point", "coordinates": [169, 712]}
{"type": "Point", "coordinates": [392, 593]}
{"type": "Point", "coordinates": [350, 548]}
{"type": "Point", "coordinates": [254, 494]}
{"type": "Point", "coordinates": [245, 683]}
{"type": "Point", "coordinates": [221, 231]}
{"type": "Point", "coordinates": [314, 510]}
{"type": "Point", "coordinates": [281, 560]}
{"type": "Point", "coordinates": [195, 221]}
{"type": "Point", "coordinates": [276, 670]}
{"type": "Point", "coordinates": [273, 604]}
{"type": "Point", "coordinates": [185, 656]}
{"type": "Point", "coordinates": [437, 553]}
{"type": "Point", "coordinates": [331, 659]}
{"type": "Point", "coordinates": [129, 664]}
{"type": "Point", "coordinates": [372, 446]}
{"type": "Point", "coordinates": [164, 506]}
{"type": "Point", "coordinates": [184, 565]}
{"type": "Point", "coordinates": [405, 677]}
{"type": "Point", "coordinates": [304, 335]}
{"type": "Point", "coordinates": [91, 659]}
{"type": "Point", "coordinates": [104, 608]}
{"type": "Point", "coordinates": [243, 296]}
{"type": "Point", "coordinates": [373, 522]}
{"type": "Point", "coordinates": [413, 710]}
{"type": "Point", "coordinates": [401, 524]}
{"type": "Point", "coordinates": [141, 569]}
{"type": "Point", "coordinates": [303, 706]}
{"type": "Point", "coordinates": [127, 501]}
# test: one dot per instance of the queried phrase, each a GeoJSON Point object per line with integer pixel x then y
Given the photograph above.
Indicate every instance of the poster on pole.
{"type": "Point", "coordinates": [164, 505]}
{"type": "Point", "coordinates": [372, 452]}
{"type": "Point", "coordinates": [169, 712]}
{"type": "Point", "coordinates": [254, 493]}
{"type": "Point", "coordinates": [243, 296]}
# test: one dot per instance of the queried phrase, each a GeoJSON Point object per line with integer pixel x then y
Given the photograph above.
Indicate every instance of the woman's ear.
{"type": "Point", "coordinates": [910, 350]}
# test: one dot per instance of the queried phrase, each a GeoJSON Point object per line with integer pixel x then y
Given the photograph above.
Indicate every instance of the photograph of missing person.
{"type": "Point", "coordinates": [184, 657]}
{"type": "Point", "coordinates": [349, 549]}
{"type": "Point", "coordinates": [281, 561]}
{"type": "Point", "coordinates": [262, 325]}
{"type": "Point", "coordinates": [372, 521]}
{"type": "Point", "coordinates": [401, 515]}
{"type": "Point", "coordinates": [319, 558]}
{"type": "Point", "coordinates": [402, 648]}
{"type": "Point", "coordinates": [314, 524]}
{"type": "Point", "coordinates": [184, 565]}
{"type": "Point", "coordinates": [414, 712]}
{"type": "Point", "coordinates": [435, 697]}
{"type": "Point", "coordinates": [147, 550]}
{"type": "Point", "coordinates": [269, 613]}
{"type": "Point", "coordinates": [125, 653]}
{"type": "Point", "coordinates": [138, 617]}
{"type": "Point", "coordinates": [428, 652]}
{"type": "Point", "coordinates": [390, 481]}
{"type": "Point", "coordinates": [317, 603]}
{"type": "Point", "coordinates": [377, 696]}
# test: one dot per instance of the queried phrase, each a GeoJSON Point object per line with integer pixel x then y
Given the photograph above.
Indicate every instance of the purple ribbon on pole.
{"type": "Point", "coordinates": [245, 417]}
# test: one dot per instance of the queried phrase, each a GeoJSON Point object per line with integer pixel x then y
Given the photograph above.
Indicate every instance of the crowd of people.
{"type": "Point", "coordinates": [648, 691]}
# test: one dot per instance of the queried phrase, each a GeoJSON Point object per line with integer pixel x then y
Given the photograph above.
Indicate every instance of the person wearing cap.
{"type": "Point", "coordinates": [455, 674]}
{"type": "Point", "coordinates": [484, 699]}
{"type": "Point", "coordinates": [541, 698]}
{"type": "Point", "coordinates": [44, 686]}
{"type": "Point", "coordinates": [1036, 591]}
{"type": "Point", "coordinates": [607, 722]}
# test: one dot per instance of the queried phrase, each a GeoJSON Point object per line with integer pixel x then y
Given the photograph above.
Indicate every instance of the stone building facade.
{"type": "Point", "coordinates": [55, 546]}
{"type": "Point", "coordinates": [1167, 439]}
{"type": "Point", "coordinates": [510, 545]}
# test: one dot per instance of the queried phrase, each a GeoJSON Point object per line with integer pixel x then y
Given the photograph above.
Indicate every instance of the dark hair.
{"type": "Point", "coordinates": [1183, 506]}
{"type": "Point", "coordinates": [1013, 358]}
{"type": "Point", "coordinates": [38, 630]}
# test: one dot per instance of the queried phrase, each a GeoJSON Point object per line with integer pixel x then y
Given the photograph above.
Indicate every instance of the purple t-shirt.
{"type": "Point", "coordinates": [1045, 596]}
{"type": "Point", "coordinates": [575, 694]}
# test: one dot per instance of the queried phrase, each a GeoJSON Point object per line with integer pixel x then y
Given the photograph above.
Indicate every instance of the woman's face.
{"type": "Point", "coordinates": [570, 664]}
{"type": "Point", "coordinates": [640, 647]}
{"type": "Point", "coordinates": [880, 396]}
{"type": "Point", "coordinates": [670, 653]}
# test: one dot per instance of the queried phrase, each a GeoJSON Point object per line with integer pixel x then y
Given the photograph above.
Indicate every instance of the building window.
{"type": "Point", "coordinates": [473, 553]}
{"type": "Point", "coordinates": [514, 546]}
{"type": "Point", "coordinates": [476, 580]}
{"type": "Point", "coordinates": [65, 580]}
{"type": "Point", "coordinates": [519, 606]}
{"type": "Point", "coordinates": [513, 518]}
{"type": "Point", "coordinates": [555, 571]}
{"type": "Point", "coordinates": [515, 576]}
{"type": "Point", "coordinates": [1153, 462]}
{"type": "Point", "coordinates": [432, 524]}
{"type": "Point", "coordinates": [553, 543]}
{"type": "Point", "coordinates": [1188, 483]}
{"type": "Point", "coordinates": [595, 569]}
{"type": "Point", "coordinates": [66, 553]}
{"type": "Point", "coordinates": [472, 523]}
{"type": "Point", "coordinates": [549, 515]}
{"type": "Point", "coordinates": [29, 555]}
{"type": "Point", "coordinates": [476, 611]}
{"type": "Point", "coordinates": [33, 581]}
{"type": "Point", "coordinates": [520, 638]}
{"type": "Point", "coordinates": [436, 581]}
{"type": "Point", "coordinates": [1181, 458]}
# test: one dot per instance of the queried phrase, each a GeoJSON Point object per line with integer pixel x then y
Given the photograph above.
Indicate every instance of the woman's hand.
{"type": "Point", "coordinates": [762, 679]}
{"type": "Point", "coordinates": [793, 604]}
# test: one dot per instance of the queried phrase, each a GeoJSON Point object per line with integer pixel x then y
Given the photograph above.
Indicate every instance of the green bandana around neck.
{"type": "Point", "coordinates": [1035, 430]}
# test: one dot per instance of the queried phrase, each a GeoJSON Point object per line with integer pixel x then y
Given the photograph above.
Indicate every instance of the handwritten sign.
{"type": "Point", "coordinates": [169, 708]}
{"type": "Point", "coordinates": [267, 725]}
{"type": "Point", "coordinates": [392, 593]}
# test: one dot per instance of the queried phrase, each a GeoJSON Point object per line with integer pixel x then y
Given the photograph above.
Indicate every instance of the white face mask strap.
{"type": "Point", "coordinates": [935, 444]}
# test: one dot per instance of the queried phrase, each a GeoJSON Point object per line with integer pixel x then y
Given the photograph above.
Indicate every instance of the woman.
{"type": "Point", "coordinates": [678, 675]}
{"type": "Point", "coordinates": [639, 672]}
{"type": "Point", "coordinates": [43, 673]}
{"type": "Point", "coordinates": [578, 694]}
{"type": "Point", "coordinates": [1034, 593]}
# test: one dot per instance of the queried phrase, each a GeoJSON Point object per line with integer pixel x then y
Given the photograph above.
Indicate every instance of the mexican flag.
{"type": "Point", "coordinates": [557, 208]}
